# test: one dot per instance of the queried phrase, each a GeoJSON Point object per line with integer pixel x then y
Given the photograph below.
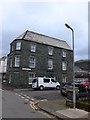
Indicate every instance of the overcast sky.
{"type": "Point", "coordinates": [47, 17]}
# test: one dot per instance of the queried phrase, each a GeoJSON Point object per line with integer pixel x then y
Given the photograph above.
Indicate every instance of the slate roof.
{"type": "Point", "coordinates": [40, 38]}
{"type": "Point", "coordinates": [78, 69]}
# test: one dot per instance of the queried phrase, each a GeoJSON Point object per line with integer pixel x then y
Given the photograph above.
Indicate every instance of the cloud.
{"type": "Point", "coordinates": [47, 18]}
{"type": "Point", "coordinates": [89, 30]}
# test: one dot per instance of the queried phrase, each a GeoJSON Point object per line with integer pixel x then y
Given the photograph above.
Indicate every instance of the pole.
{"type": "Point", "coordinates": [74, 94]}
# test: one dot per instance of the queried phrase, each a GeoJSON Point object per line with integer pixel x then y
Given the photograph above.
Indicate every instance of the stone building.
{"type": "Point", "coordinates": [34, 55]}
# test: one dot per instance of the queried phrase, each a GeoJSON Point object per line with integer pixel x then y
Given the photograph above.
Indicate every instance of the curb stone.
{"type": "Point", "coordinates": [52, 114]}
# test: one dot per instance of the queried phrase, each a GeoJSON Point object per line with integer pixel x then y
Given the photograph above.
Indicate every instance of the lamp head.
{"type": "Point", "coordinates": [68, 27]}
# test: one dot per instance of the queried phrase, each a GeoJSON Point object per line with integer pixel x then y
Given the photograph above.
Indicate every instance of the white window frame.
{"type": "Point", "coordinates": [10, 78]}
{"type": "Point", "coordinates": [33, 47]}
{"type": "Point", "coordinates": [50, 63]}
{"type": "Point", "coordinates": [63, 53]}
{"type": "Point", "coordinates": [10, 62]}
{"type": "Point", "coordinates": [11, 47]}
{"type": "Point", "coordinates": [18, 45]}
{"type": "Point", "coordinates": [17, 61]}
{"type": "Point", "coordinates": [32, 62]}
{"type": "Point", "coordinates": [64, 66]}
{"type": "Point", "coordinates": [50, 50]}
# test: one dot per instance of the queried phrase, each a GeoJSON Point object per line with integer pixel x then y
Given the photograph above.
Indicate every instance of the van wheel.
{"type": "Point", "coordinates": [57, 87]}
{"type": "Point", "coordinates": [41, 87]}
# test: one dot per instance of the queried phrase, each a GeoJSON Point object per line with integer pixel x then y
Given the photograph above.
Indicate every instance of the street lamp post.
{"type": "Point", "coordinates": [74, 95]}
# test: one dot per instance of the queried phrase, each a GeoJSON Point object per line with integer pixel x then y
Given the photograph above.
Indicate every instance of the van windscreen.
{"type": "Point", "coordinates": [53, 80]}
{"type": "Point", "coordinates": [34, 80]}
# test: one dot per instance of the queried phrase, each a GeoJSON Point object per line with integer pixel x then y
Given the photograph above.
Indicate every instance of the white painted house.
{"type": "Point", "coordinates": [3, 67]}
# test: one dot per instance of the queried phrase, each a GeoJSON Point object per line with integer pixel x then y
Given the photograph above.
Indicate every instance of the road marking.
{"type": "Point", "coordinates": [32, 99]}
{"type": "Point", "coordinates": [32, 105]}
{"type": "Point", "coordinates": [19, 95]}
{"type": "Point", "coordinates": [27, 99]}
{"type": "Point", "coordinates": [22, 97]}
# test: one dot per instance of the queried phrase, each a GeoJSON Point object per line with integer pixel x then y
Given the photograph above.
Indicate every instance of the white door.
{"type": "Point", "coordinates": [53, 83]}
{"type": "Point", "coordinates": [31, 76]}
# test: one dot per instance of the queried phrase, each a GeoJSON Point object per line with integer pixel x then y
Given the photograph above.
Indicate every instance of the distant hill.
{"type": "Point", "coordinates": [83, 64]}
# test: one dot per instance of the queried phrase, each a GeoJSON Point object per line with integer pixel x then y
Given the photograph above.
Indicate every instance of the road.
{"type": "Point", "coordinates": [16, 106]}
{"type": "Point", "coordinates": [40, 95]}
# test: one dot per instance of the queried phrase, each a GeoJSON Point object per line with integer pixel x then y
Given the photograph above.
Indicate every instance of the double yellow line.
{"type": "Point", "coordinates": [33, 106]}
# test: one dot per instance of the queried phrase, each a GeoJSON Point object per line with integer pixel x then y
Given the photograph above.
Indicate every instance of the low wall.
{"type": "Point", "coordinates": [84, 104]}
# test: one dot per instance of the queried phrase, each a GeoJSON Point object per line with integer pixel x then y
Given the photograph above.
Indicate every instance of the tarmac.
{"type": "Point", "coordinates": [60, 111]}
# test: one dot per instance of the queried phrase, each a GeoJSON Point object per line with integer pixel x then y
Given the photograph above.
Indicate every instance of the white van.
{"type": "Point", "coordinates": [44, 82]}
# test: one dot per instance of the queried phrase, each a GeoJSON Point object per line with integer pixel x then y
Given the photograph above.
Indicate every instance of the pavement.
{"type": "Point", "coordinates": [58, 108]}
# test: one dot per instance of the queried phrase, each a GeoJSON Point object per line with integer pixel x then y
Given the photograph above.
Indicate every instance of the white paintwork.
{"type": "Point", "coordinates": [3, 65]}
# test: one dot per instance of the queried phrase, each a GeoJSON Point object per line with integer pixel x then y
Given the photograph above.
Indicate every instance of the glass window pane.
{"type": "Point", "coordinates": [46, 80]}
{"type": "Point", "coordinates": [50, 50]}
{"type": "Point", "coordinates": [64, 67]}
{"type": "Point", "coordinates": [17, 61]}
{"type": "Point", "coordinates": [50, 64]}
{"type": "Point", "coordinates": [33, 47]}
{"type": "Point", "coordinates": [32, 62]}
{"type": "Point", "coordinates": [11, 62]}
{"type": "Point", "coordinates": [63, 53]}
{"type": "Point", "coordinates": [18, 46]}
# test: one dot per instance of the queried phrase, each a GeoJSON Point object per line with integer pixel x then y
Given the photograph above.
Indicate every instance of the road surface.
{"type": "Point", "coordinates": [16, 106]}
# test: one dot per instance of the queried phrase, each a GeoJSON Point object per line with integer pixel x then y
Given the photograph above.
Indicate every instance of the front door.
{"type": "Point", "coordinates": [31, 76]}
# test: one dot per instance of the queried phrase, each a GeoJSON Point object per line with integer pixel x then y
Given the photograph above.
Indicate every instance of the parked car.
{"type": "Point", "coordinates": [85, 83]}
{"type": "Point", "coordinates": [44, 82]}
{"type": "Point", "coordinates": [77, 84]}
{"type": "Point", "coordinates": [82, 90]}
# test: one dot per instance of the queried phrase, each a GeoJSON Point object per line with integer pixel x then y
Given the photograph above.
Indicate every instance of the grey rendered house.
{"type": "Point", "coordinates": [36, 55]}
